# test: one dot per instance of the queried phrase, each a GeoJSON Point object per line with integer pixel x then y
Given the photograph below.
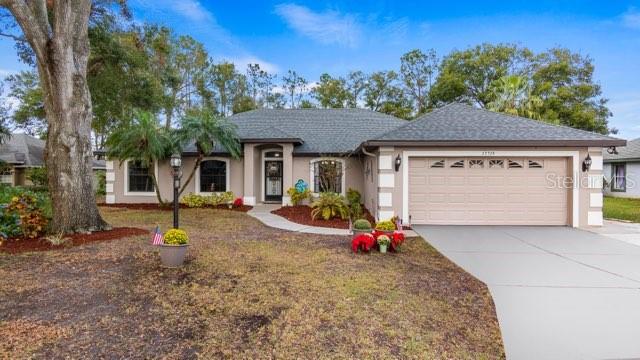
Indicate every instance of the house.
{"type": "Point", "coordinates": [22, 152]}
{"type": "Point", "coordinates": [622, 171]}
{"type": "Point", "coordinates": [455, 165]}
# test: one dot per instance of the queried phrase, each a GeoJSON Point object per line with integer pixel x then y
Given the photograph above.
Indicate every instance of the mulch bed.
{"type": "Point", "coordinates": [301, 214]}
{"type": "Point", "coordinates": [19, 245]}
{"type": "Point", "coordinates": [169, 207]}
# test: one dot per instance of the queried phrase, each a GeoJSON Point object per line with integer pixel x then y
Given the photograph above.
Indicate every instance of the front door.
{"type": "Point", "coordinates": [273, 180]}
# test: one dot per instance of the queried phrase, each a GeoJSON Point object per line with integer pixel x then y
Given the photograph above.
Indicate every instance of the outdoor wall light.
{"type": "Point", "coordinates": [398, 162]}
{"type": "Point", "coordinates": [176, 162]}
{"type": "Point", "coordinates": [586, 164]}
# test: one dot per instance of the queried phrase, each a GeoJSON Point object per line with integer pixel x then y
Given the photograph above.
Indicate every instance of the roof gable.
{"type": "Point", "coordinates": [631, 151]}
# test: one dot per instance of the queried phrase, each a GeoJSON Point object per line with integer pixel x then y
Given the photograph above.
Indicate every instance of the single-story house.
{"type": "Point", "coordinates": [622, 171]}
{"type": "Point", "coordinates": [455, 165]}
{"type": "Point", "coordinates": [22, 152]}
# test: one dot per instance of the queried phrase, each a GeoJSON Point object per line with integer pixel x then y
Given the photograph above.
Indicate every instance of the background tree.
{"type": "Point", "coordinates": [29, 114]}
{"type": "Point", "coordinates": [331, 92]}
{"type": "Point", "coordinates": [512, 95]}
{"type": "Point", "coordinates": [356, 83]}
{"type": "Point", "coordinates": [295, 86]}
{"type": "Point", "coordinates": [418, 70]}
{"type": "Point", "coordinates": [57, 34]}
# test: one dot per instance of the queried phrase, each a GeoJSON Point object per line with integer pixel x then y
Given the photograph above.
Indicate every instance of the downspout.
{"type": "Point", "coordinates": [364, 150]}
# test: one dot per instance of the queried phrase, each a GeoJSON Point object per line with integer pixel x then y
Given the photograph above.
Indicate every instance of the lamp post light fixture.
{"type": "Point", "coordinates": [176, 163]}
{"type": "Point", "coordinates": [586, 164]}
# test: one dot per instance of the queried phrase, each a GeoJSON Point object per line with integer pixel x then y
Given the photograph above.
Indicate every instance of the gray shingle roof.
{"type": "Point", "coordinates": [320, 130]}
{"type": "Point", "coordinates": [458, 122]}
{"type": "Point", "coordinates": [629, 152]}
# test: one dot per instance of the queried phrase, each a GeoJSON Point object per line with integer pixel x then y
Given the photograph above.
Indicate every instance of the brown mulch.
{"type": "Point", "coordinates": [301, 214]}
{"type": "Point", "coordinates": [20, 245]}
{"type": "Point", "coordinates": [169, 207]}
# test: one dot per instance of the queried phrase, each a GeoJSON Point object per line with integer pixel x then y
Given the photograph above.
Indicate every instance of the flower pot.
{"type": "Point", "coordinates": [383, 248]}
{"type": "Point", "coordinates": [358, 231]}
{"type": "Point", "coordinates": [173, 255]}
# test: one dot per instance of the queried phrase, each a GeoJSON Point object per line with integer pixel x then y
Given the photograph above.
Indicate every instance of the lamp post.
{"type": "Point", "coordinates": [176, 163]}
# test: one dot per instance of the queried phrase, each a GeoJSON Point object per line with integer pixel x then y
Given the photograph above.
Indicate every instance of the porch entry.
{"type": "Point", "coordinates": [273, 172]}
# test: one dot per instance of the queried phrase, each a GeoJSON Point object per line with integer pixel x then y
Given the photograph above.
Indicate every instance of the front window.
{"type": "Point", "coordinates": [140, 179]}
{"type": "Point", "coordinates": [619, 177]}
{"type": "Point", "coordinates": [6, 177]}
{"type": "Point", "coordinates": [213, 176]}
{"type": "Point", "coordinates": [327, 176]}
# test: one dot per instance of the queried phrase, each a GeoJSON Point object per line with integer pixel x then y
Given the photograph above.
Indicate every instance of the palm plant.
{"type": "Point", "coordinates": [512, 95]}
{"type": "Point", "coordinates": [144, 140]}
{"type": "Point", "coordinates": [205, 130]}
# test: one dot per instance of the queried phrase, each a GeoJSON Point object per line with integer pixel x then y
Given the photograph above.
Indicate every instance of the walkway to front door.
{"type": "Point", "coordinates": [560, 293]}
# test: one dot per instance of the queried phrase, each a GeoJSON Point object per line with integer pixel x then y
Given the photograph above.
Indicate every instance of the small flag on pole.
{"type": "Point", "coordinates": [157, 237]}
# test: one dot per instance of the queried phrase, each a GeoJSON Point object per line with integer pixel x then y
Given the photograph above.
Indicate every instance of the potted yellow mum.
{"type": "Point", "coordinates": [174, 249]}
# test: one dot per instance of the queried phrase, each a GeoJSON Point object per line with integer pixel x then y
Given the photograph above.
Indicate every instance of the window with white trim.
{"type": "Point", "coordinates": [327, 176]}
{"type": "Point", "coordinates": [213, 176]}
{"type": "Point", "coordinates": [6, 177]}
{"type": "Point", "coordinates": [139, 177]}
{"type": "Point", "coordinates": [619, 177]}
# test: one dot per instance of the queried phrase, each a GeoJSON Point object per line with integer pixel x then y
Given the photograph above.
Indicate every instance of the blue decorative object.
{"type": "Point", "coordinates": [301, 186]}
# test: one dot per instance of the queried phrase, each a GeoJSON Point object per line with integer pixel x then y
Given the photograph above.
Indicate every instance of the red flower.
{"type": "Point", "coordinates": [362, 241]}
{"type": "Point", "coordinates": [238, 202]}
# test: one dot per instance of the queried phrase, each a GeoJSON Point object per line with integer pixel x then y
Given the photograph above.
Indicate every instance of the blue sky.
{"type": "Point", "coordinates": [337, 36]}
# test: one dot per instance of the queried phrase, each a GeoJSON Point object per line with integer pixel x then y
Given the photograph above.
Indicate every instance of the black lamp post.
{"type": "Point", "coordinates": [176, 163]}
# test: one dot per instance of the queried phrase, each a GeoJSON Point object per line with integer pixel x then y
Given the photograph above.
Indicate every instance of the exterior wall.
{"type": "Point", "coordinates": [633, 180]}
{"type": "Point", "coordinates": [390, 182]}
{"type": "Point", "coordinates": [370, 188]}
{"type": "Point", "coordinates": [353, 172]}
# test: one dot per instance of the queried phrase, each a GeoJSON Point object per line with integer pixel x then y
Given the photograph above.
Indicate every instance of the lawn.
{"type": "Point", "coordinates": [622, 209]}
{"type": "Point", "coordinates": [247, 291]}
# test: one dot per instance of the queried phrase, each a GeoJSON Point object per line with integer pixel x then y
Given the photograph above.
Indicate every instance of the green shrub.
{"type": "Point", "coordinates": [176, 237]}
{"type": "Point", "coordinates": [32, 221]}
{"type": "Point", "coordinates": [195, 201]}
{"type": "Point", "coordinates": [355, 206]}
{"type": "Point", "coordinates": [9, 223]}
{"type": "Point", "coordinates": [38, 176]}
{"type": "Point", "coordinates": [101, 185]}
{"type": "Point", "coordinates": [386, 225]}
{"type": "Point", "coordinates": [220, 198]}
{"type": "Point", "coordinates": [298, 197]}
{"type": "Point", "coordinates": [330, 205]}
{"type": "Point", "coordinates": [362, 224]}
{"type": "Point", "coordinates": [383, 240]}
{"type": "Point", "coordinates": [43, 202]}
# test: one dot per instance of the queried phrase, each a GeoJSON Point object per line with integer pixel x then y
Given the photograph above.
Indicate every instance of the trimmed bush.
{"type": "Point", "coordinates": [176, 237]}
{"type": "Point", "coordinates": [195, 200]}
{"type": "Point", "coordinates": [362, 224]}
{"type": "Point", "coordinates": [328, 206]}
{"type": "Point", "coordinates": [386, 225]}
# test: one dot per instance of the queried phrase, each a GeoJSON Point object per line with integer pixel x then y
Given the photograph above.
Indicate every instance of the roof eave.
{"type": "Point", "coordinates": [499, 143]}
{"type": "Point", "coordinates": [272, 141]}
{"type": "Point", "coordinates": [619, 160]}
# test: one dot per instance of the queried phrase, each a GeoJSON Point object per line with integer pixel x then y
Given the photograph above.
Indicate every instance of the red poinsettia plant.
{"type": "Point", "coordinates": [238, 202]}
{"type": "Point", "coordinates": [362, 242]}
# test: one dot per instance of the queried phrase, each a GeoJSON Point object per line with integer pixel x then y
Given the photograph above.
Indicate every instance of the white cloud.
{"type": "Point", "coordinates": [328, 27]}
{"type": "Point", "coordinates": [242, 62]}
{"type": "Point", "coordinates": [193, 10]}
{"type": "Point", "coordinates": [631, 18]}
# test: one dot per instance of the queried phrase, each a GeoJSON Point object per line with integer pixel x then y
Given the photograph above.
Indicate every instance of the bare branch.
{"type": "Point", "coordinates": [33, 32]}
{"type": "Point", "coordinates": [14, 37]}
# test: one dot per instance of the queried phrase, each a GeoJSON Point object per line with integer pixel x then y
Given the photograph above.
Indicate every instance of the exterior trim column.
{"type": "Point", "coordinates": [287, 172]}
{"type": "Point", "coordinates": [386, 183]}
{"type": "Point", "coordinates": [249, 196]}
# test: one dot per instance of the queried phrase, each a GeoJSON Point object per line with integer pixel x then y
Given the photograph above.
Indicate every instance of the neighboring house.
{"type": "Point", "coordinates": [455, 165]}
{"type": "Point", "coordinates": [22, 152]}
{"type": "Point", "coordinates": [622, 171]}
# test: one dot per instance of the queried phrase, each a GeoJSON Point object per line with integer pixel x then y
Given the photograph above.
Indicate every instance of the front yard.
{"type": "Point", "coordinates": [622, 209]}
{"type": "Point", "coordinates": [247, 291]}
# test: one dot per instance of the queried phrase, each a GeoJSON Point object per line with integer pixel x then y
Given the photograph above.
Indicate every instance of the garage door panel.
{"type": "Point", "coordinates": [484, 195]}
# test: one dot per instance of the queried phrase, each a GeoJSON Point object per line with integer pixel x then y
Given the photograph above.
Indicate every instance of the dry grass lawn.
{"type": "Point", "coordinates": [247, 291]}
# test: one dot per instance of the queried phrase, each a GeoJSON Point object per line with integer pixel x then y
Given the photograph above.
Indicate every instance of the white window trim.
{"type": "Point", "coordinates": [263, 159]}
{"type": "Point", "coordinates": [138, 193]}
{"type": "Point", "coordinates": [227, 177]}
{"type": "Point", "coordinates": [575, 155]}
{"type": "Point", "coordinates": [13, 177]}
{"type": "Point", "coordinates": [312, 174]}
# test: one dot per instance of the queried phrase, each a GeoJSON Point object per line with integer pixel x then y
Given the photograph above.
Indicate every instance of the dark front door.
{"type": "Point", "coordinates": [273, 180]}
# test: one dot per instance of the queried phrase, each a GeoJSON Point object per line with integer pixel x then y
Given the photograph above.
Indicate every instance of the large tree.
{"type": "Point", "coordinates": [418, 70]}
{"type": "Point", "coordinates": [331, 92]}
{"type": "Point", "coordinates": [295, 86]}
{"type": "Point", "coordinates": [57, 33]}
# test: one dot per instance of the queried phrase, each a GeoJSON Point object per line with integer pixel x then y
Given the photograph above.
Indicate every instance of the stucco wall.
{"type": "Point", "coordinates": [353, 175]}
{"type": "Point", "coordinates": [633, 181]}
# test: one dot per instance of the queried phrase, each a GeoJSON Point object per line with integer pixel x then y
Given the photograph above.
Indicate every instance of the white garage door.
{"type": "Point", "coordinates": [487, 191]}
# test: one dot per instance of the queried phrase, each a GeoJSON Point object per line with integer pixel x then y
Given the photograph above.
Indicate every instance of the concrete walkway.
{"type": "Point", "coordinates": [560, 293]}
{"type": "Point", "coordinates": [619, 230]}
{"type": "Point", "coordinates": [263, 213]}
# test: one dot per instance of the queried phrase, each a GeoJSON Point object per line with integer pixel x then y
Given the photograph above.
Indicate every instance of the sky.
{"type": "Point", "coordinates": [313, 37]}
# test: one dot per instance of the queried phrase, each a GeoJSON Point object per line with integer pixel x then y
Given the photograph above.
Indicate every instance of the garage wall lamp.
{"type": "Point", "coordinates": [586, 164]}
{"type": "Point", "coordinates": [398, 162]}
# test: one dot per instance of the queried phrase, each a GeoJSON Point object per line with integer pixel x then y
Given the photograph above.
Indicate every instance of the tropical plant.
{"type": "Point", "coordinates": [355, 207]}
{"type": "Point", "coordinates": [32, 220]}
{"type": "Point", "coordinates": [362, 224]}
{"type": "Point", "coordinates": [176, 237]}
{"type": "Point", "coordinates": [386, 225]}
{"type": "Point", "coordinates": [383, 240]}
{"type": "Point", "coordinates": [297, 197]}
{"type": "Point", "coordinates": [38, 176]}
{"type": "Point", "coordinates": [142, 140]}
{"type": "Point", "coordinates": [328, 206]}
{"type": "Point", "coordinates": [9, 223]}
{"type": "Point", "coordinates": [206, 129]}
{"type": "Point", "coordinates": [511, 94]}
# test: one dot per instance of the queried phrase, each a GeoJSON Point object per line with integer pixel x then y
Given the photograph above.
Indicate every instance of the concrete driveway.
{"type": "Point", "coordinates": [560, 293]}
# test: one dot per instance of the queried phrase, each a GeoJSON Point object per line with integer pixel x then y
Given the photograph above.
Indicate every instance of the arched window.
{"type": "Point", "coordinates": [213, 176]}
{"type": "Point", "coordinates": [327, 175]}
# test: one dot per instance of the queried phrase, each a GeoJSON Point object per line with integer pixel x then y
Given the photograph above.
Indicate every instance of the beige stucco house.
{"type": "Point", "coordinates": [455, 165]}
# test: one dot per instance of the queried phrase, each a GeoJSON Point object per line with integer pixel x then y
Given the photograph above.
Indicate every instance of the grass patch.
{"type": "Point", "coordinates": [622, 209]}
{"type": "Point", "coordinates": [246, 291]}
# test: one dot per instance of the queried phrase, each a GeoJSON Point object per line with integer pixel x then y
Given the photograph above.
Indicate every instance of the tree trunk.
{"type": "Point", "coordinates": [193, 171]}
{"type": "Point", "coordinates": [62, 50]}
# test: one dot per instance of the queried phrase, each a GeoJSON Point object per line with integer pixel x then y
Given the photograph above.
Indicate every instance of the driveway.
{"type": "Point", "coordinates": [560, 293]}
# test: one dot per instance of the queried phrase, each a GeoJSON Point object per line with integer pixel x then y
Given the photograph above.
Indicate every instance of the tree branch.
{"type": "Point", "coordinates": [14, 37]}
{"type": "Point", "coordinates": [31, 27]}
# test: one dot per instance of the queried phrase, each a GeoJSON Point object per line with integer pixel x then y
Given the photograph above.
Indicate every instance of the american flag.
{"type": "Point", "coordinates": [157, 237]}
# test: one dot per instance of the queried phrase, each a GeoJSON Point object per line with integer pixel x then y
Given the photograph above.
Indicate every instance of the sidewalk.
{"type": "Point", "coordinates": [263, 213]}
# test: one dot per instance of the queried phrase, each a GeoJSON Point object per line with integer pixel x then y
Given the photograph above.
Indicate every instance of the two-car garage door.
{"type": "Point", "coordinates": [487, 191]}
